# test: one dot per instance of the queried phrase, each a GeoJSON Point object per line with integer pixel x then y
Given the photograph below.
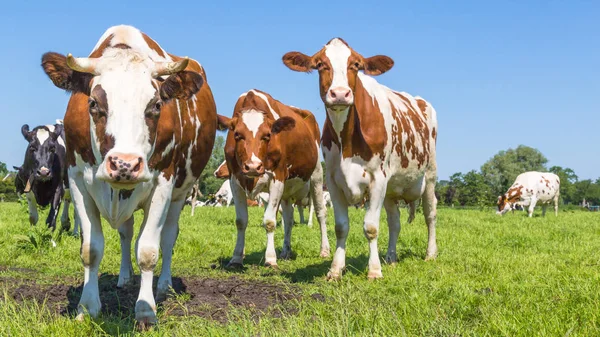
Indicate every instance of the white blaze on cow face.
{"type": "Point", "coordinates": [253, 120]}
{"type": "Point", "coordinates": [339, 92]}
{"type": "Point", "coordinates": [126, 79]}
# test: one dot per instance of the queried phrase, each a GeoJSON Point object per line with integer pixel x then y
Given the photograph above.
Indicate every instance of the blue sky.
{"type": "Point", "coordinates": [499, 73]}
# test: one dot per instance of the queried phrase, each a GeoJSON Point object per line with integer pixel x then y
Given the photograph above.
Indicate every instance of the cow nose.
{"type": "Point", "coordinates": [43, 172]}
{"type": "Point", "coordinates": [253, 168]}
{"type": "Point", "coordinates": [340, 95]}
{"type": "Point", "coordinates": [123, 167]}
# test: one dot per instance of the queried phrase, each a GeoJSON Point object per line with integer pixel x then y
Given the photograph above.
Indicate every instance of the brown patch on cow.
{"type": "Point", "coordinates": [422, 106]}
{"type": "Point", "coordinates": [99, 115]}
{"type": "Point", "coordinates": [209, 298]}
{"type": "Point", "coordinates": [371, 232]}
{"type": "Point", "coordinates": [102, 47]}
{"type": "Point", "coordinates": [153, 45]}
{"type": "Point", "coordinates": [364, 173]}
{"type": "Point", "coordinates": [434, 134]}
{"type": "Point", "coordinates": [407, 149]}
{"type": "Point", "coordinates": [251, 203]}
{"type": "Point", "coordinates": [514, 193]}
{"type": "Point", "coordinates": [77, 130]}
{"type": "Point", "coordinates": [222, 171]}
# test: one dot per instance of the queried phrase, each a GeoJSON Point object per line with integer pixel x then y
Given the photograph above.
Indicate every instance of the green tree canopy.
{"type": "Point", "coordinates": [502, 169]}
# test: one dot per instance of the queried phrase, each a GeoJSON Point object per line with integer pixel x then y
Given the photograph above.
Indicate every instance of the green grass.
{"type": "Point", "coordinates": [494, 276]}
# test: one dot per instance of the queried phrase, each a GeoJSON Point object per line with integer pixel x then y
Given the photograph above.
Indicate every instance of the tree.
{"type": "Point", "coordinates": [3, 170]}
{"type": "Point", "coordinates": [567, 180]}
{"type": "Point", "coordinates": [588, 190]}
{"type": "Point", "coordinates": [501, 170]}
{"type": "Point", "coordinates": [208, 183]}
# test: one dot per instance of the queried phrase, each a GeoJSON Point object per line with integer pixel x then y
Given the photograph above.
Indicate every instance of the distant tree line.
{"type": "Point", "coordinates": [482, 188]}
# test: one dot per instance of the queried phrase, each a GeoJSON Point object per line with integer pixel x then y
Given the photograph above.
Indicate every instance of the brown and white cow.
{"type": "Point", "coordinates": [377, 143]}
{"type": "Point", "coordinates": [140, 126]}
{"type": "Point", "coordinates": [272, 147]}
{"type": "Point", "coordinates": [529, 189]}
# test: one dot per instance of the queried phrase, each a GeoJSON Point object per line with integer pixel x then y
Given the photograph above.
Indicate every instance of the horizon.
{"type": "Point", "coordinates": [498, 75]}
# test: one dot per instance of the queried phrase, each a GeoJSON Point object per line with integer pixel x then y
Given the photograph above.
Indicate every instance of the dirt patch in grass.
{"type": "Point", "coordinates": [214, 299]}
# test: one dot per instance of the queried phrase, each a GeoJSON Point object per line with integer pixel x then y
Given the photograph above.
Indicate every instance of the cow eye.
{"type": "Point", "coordinates": [237, 136]}
{"type": "Point", "coordinates": [356, 65]}
{"type": "Point", "coordinates": [92, 103]}
{"type": "Point", "coordinates": [32, 149]}
{"type": "Point", "coordinates": [52, 149]}
{"type": "Point", "coordinates": [158, 105]}
{"type": "Point", "coordinates": [266, 137]}
{"type": "Point", "coordinates": [319, 65]}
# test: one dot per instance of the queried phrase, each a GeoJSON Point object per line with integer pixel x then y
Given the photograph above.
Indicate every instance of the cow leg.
{"type": "Point", "coordinates": [300, 211]}
{"type": "Point", "coordinates": [317, 203]}
{"type": "Point", "coordinates": [412, 207]}
{"type": "Point", "coordinates": [65, 222]}
{"type": "Point", "coordinates": [556, 197]}
{"type": "Point", "coordinates": [270, 220]}
{"type": "Point", "coordinates": [33, 212]}
{"type": "Point", "coordinates": [241, 222]}
{"type": "Point", "coordinates": [77, 226]}
{"type": "Point", "coordinates": [371, 225]}
{"type": "Point", "coordinates": [126, 235]}
{"type": "Point", "coordinates": [92, 246]}
{"type": "Point", "coordinates": [340, 211]}
{"type": "Point", "coordinates": [311, 214]}
{"type": "Point", "coordinates": [430, 213]}
{"type": "Point", "coordinates": [168, 238]}
{"type": "Point", "coordinates": [288, 223]}
{"type": "Point", "coordinates": [531, 207]}
{"type": "Point", "coordinates": [544, 206]}
{"type": "Point", "coordinates": [155, 213]}
{"type": "Point", "coordinates": [393, 220]}
{"type": "Point", "coordinates": [54, 210]}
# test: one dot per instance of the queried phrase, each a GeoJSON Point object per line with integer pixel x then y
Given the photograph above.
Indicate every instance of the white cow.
{"type": "Point", "coordinates": [530, 188]}
{"type": "Point", "coordinates": [223, 195]}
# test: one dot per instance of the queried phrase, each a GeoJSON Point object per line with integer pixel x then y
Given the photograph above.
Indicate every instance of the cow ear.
{"type": "Point", "coordinates": [377, 65]}
{"type": "Point", "coordinates": [55, 66]}
{"type": "Point", "coordinates": [17, 168]}
{"type": "Point", "coordinates": [182, 85]}
{"type": "Point", "coordinates": [283, 124]}
{"type": "Point", "coordinates": [58, 130]}
{"type": "Point", "coordinates": [25, 132]}
{"type": "Point", "coordinates": [297, 61]}
{"type": "Point", "coordinates": [225, 123]}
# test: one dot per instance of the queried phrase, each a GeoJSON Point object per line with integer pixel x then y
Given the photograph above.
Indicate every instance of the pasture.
{"type": "Point", "coordinates": [494, 276]}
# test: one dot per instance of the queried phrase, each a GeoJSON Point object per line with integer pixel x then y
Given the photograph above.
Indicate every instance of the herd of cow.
{"type": "Point", "coordinates": [140, 126]}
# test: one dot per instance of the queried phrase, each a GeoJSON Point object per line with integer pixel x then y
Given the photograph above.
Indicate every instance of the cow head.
{"type": "Point", "coordinates": [338, 67]}
{"type": "Point", "coordinates": [126, 94]}
{"type": "Point", "coordinates": [504, 205]}
{"type": "Point", "coordinates": [256, 144]}
{"type": "Point", "coordinates": [40, 156]}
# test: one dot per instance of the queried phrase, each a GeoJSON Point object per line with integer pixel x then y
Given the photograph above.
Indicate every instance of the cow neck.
{"type": "Point", "coordinates": [348, 128]}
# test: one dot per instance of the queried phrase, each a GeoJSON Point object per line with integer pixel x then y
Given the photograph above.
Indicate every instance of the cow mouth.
{"type": "Point", "coordinates": [338, 107]}
{"type": "Point", "coordinates": [123, 185]}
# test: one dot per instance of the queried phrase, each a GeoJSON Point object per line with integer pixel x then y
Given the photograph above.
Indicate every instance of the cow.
{"type": "Point", "coordinates": [262, 151]}
{"type": "Point", "coordinates": [43, 175]}
{"type": "Point", "coordinates": [140, 126]}
{"type": "Point", "coordinates": [529, 189]}
{"type": "Point", "coordinates": [224, 195]}
{"type": "Point", "coordinates": [376, 142]}
{"type": "Point", "coordinates": [192, 199]}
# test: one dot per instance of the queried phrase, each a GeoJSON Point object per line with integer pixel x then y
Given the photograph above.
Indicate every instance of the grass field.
{"type": "Point", "coordinates": [495, 276]}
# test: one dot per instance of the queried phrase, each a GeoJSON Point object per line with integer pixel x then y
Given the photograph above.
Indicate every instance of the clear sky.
{"type": "Point", "coordinates": [498, 73]}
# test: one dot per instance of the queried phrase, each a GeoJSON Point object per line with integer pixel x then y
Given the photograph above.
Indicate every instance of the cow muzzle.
{"type": "Point", "coordinates": [252, 168]}
{"type": "Point", "coordinates": [339, 96]}
{"type": "Point", "coordinates": [124, 170]}
{"type": "Point", "coordinates": [43, 174]}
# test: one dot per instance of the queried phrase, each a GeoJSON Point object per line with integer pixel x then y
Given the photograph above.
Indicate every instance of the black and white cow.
{"type": "Point", "coordinates": [43, 175]}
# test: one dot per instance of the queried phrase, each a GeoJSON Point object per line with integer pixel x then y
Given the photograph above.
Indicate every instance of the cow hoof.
{"type": "Point", "coordinates": [431, 255]}
{"type": "Point", "coordinates": [145, 324]}
{"type": "Point", "coordinates": [374, 275]}
{"type": "Point", "coordinates": [90, 307]}
{"type": "Point", "coordinates": [145, 316]}
{"type": "Point", "coordinates": [324, 253]}
{"type": "Point", "coordinates": [286, 255]}
{"type": "Point", "coordinates": [272, 265]}
{"type": "Point", "coordinates": [235, 265]}
{"type": "Point", "coordinates": [334, 275]}
{"type": "Point", "coordinates": [33, 220]}
{"type": "Point", "coordinates": [391, 259]}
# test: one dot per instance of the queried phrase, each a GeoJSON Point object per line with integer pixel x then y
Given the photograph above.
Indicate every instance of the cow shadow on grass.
{"type": "Point", "coordinates": [355, 265]}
